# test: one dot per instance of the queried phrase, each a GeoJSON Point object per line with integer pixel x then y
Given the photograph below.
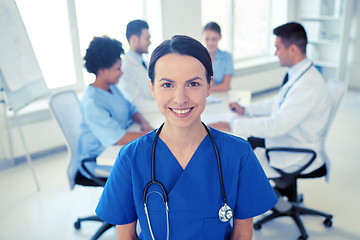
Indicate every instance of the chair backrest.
{"type": "Point", "coordinates": [65, 107]}
{"type": "Point", "coordinates": [336, 91]}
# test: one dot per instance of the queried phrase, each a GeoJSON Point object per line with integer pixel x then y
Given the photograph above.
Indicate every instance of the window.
{"type": "Point", "coordinates": [47, 25]}
{"type": "Point", "coordinates": [50, 35]}
{"type": "Point", "coordinates": [245, 26]}
{"type": "Point", "coordinates": [107, 17]}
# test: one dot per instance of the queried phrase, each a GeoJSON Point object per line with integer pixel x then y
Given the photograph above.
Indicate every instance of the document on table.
{"type": "Point", "coordinates": [108, 156]}
{"type": "Point", "coordinates": [218, 117]}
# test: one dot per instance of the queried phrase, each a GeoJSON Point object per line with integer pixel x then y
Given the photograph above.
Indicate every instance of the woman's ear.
{"type": "Point", "coordinates": [210, 86]}
{"type": "Point", "coordinates": [152, 89]}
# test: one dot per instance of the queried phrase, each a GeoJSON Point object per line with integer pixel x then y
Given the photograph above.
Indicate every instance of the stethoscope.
{"type": "Point", "coordinates": [225, 212]}
{"type": "Point", "coordinates": [287, 90]}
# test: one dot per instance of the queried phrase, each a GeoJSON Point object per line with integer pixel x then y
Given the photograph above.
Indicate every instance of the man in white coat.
{"type": "Point", "coordinates": [134, 83]}
{"type": "Point", "coordinates": [296, 117]}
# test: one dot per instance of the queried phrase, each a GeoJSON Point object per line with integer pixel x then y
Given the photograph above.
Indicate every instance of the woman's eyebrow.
{"type": "Point", "coordinates": [193, 79]}
{"type": "Point", "coordinates": [190, 80]}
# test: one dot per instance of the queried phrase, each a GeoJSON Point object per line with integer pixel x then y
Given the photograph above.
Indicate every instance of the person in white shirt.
{"type": "Point", "coordinates": [134, 83]}
{"type": "Point", "coordinates": [296, 116]}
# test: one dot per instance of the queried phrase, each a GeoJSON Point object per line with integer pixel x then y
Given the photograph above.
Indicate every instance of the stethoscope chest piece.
{"type": "Point", "coordinates": [225, 213]}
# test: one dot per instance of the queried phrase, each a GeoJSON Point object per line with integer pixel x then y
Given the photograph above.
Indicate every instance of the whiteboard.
{"type": "Point", "coordinates": [20, 72]}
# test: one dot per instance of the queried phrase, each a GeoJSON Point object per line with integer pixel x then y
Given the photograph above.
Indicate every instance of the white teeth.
{"type": "Point", "coordinates": [181, 111]}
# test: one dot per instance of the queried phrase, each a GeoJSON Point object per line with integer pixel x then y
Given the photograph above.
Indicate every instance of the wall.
{"type": "Point", "coordinates": [181, 17]}
{"type": "Point", "coordinates": [353, 63]}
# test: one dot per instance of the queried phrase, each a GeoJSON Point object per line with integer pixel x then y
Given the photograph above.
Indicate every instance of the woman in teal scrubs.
{"type": "Point", "coordinates": [222, 62]}
{"type": "Point", "coordinates": [185, 161]}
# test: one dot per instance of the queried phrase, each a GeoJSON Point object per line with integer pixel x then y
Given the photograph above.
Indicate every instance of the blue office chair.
{"type": "Point", "coordinates": [65, 107]}
{"type": "Point", "coordinates": [286, 184]}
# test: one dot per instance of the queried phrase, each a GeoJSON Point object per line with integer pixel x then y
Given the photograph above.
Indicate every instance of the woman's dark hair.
{"type": "Point", "coordinates": [213, 26]}
{"type": "Point", "coordinates": [102, 52]}
{"type": "Point", "coordinates": [183, 45]}
{"type": "Point", "coordinates": [292, 33]}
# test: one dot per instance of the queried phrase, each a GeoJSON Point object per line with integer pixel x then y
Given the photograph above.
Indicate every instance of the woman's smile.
{"type": "Point", "coordinates": [182, 112]}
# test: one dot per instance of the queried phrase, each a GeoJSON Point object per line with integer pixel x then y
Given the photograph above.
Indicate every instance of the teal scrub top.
{"type": "Point", "coordinates": [194, 193]}
{"type": "Point", "coordinates": [105, 119]}
{"type": "Point", "coordinates": [222, 65]}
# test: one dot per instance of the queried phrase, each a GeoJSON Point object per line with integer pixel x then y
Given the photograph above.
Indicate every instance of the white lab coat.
{"type": "Point", "coordinates": [134, 84]}
{"type": "Point", "coordinates": [299, 121]}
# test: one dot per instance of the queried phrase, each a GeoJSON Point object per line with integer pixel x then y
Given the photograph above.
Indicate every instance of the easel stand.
{"type": "Point", "coordinates": [27, 154]}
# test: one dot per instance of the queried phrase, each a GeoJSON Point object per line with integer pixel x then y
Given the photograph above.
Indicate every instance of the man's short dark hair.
{"type": "Point", "coordinates": [135, 27]}
{"type": "Point", "coordinates": [292, 33]}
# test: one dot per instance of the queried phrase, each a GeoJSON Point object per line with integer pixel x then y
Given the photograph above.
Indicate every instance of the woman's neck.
{"type": "Point", "coordinates": [183, 138]}
{"type": "Point", "coordinates": [100, 83]}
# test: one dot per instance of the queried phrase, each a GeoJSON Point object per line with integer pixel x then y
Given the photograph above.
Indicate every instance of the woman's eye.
{"type": "Point", "coordinates": [194, 84]}
{"type": "Point", "coordinates": [167, 85]}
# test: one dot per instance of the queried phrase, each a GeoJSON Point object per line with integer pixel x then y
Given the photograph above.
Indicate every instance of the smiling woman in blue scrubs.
{"type": "Point", "coordinates": [185, 161]}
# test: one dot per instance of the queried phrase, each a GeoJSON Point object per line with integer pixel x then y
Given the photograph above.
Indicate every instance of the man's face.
{"type": "Point", "coordinates": [283, 53]}
{"type": "Point", "coordinates": [143, 42]}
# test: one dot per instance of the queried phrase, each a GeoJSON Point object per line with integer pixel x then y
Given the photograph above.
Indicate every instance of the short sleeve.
{"type": "Point", "coordinates": [229, 68]}
{"type": "Point", "coordinates": [255, 194]}
{"type": "Point", "coordinates": [116, 205]}
{"type": "Point", "coordinates": [105, 128]}
{"type": "Point", "coordinates": [132, 108]}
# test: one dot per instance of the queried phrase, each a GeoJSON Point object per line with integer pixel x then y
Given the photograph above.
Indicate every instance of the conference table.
{"type": "Point", "coordinates": [217, 109]}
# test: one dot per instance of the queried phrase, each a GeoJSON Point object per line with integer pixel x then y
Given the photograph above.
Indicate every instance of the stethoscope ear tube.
{"type": "Point", "coordinates": [153, 181]}
{"type": "Point", "coordinates": [218, 163]}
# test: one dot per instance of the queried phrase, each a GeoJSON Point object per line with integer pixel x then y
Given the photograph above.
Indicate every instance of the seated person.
{"type": "Point", "coordinates": [222, 62]}
{"type": "Point", "coordinates": [105, 111]}
{"type": "Point", "coordinates": [296, 116]}
{"type": "Point", "coordinates": [134, 84]}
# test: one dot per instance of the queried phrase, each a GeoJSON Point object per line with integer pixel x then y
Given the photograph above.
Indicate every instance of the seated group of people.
{"type": "Point", "coordinates": [180, 75]}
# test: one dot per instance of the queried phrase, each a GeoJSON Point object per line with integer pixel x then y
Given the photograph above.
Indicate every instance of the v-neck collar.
{"type": "Point", "coordinates": [173, 166]}
{"type": "Point", "coordinates": [174, 158]}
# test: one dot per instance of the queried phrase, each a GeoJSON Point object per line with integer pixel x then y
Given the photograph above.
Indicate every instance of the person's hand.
{"type": "Point", "coordinates": [235, 107]}
{"type": "Point", "coordinates": [145, 127]}
{"type": "Point", "coordinates": [222, 126]}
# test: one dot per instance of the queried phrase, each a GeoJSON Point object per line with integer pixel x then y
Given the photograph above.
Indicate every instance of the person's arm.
{"type": "Point", "coordinates": [145, 126]}
{"type": "Point", "coordinates": [224, 86]}
{"type": "Point", "coordinates": [126, 231]}
{"type": "Point", "coordinates": [242, 230]}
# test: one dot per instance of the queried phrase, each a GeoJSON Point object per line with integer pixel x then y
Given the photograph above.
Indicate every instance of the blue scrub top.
{"type": "Point", "coordinates": [106, 117]}
{"type": "Point", "coordinates": [222, 65]}
{"type": "Point", "coordinates": [194, 193]}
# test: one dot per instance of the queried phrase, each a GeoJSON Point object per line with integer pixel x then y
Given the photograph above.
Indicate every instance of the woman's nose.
{"type": "Point", "coordinates": [181, 96]}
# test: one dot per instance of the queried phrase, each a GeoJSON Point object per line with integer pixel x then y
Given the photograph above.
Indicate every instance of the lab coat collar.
{"type": "Point", "coordinates": [136, 56]}
{"type": "Point", "coordinates": [297, 69]}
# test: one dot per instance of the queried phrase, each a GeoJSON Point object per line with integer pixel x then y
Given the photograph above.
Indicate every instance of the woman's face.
{"type": "Point", "coordinates": [211, 40]}
{"type": "Point", "coordinates": [114, 73]}
{"type": "Point", "coordinates": [180, 89]}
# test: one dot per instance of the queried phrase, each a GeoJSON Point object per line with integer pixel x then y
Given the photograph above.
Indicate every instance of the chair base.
{"type": "Point", "coordinates": [295, 212]}
{"type": "Point", "coordinates": [105, 226]}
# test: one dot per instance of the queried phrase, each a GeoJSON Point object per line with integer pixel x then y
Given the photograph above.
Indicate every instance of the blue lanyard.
{"type": "Point", "coordinates": [307, 69]}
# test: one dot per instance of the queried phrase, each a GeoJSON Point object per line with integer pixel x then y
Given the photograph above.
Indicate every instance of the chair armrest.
{"type": "Point", "coordinates": [93, 177]}
{"type": "Point", "coordinates": [292, 150]}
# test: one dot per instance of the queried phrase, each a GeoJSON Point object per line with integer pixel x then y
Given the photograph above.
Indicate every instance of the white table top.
{"type": "Point", "coordinates": [217, 109]}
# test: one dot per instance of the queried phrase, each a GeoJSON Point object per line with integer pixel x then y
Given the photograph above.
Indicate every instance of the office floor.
{"type": "Point", "coordinates": [50, 213]}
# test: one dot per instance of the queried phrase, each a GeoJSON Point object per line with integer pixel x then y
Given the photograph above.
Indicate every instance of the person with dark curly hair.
{"type": "Point", "coordinates": [106, 113]}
